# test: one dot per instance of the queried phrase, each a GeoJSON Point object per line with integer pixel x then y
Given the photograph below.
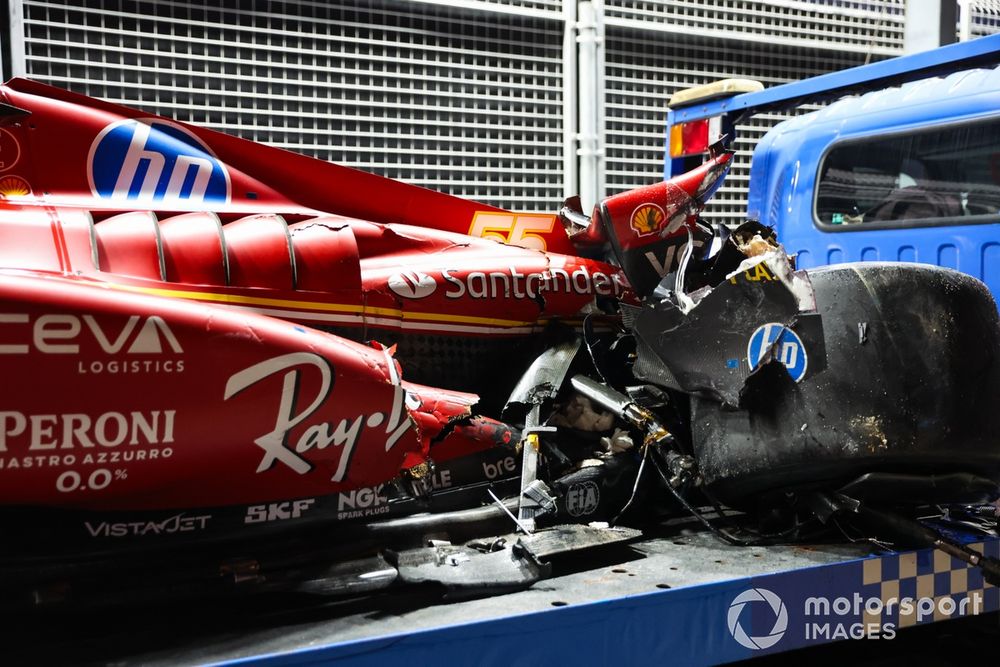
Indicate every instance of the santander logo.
{"type": "Point", "coordinates": [412, 284]}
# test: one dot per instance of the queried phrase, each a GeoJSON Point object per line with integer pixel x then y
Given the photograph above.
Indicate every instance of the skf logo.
{"type": "Point", "coordinates": [412, 284]}
{"type": "Point", "coordinates": [290, 509]}
{"type": "Point", "coordinates": [647, 219]}
{"type": "Point", "coordinates": [155, 160]}
{"type": "Point", "coordinates": [788, 348]}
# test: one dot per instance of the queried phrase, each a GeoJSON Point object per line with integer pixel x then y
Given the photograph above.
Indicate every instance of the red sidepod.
{"type": "Point", "coordinates": [321, 271]}
{"type": "Point", "coordinates": [130, 401]}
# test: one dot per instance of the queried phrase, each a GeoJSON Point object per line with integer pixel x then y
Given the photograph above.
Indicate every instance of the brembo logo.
{"type": "Point", "coordinates": [412, 284]}
{"type": "Point", "coordinates": [155, 160]}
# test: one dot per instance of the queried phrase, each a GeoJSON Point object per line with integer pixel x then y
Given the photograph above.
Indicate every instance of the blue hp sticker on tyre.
{"type": "Point", "coordinates": [154, 160]}
{"type": "Point", "coordinates": [790, 351]}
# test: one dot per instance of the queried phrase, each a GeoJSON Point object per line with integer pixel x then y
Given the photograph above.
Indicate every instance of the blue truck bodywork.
{"type": "Point", "coordinates": [789, 158]}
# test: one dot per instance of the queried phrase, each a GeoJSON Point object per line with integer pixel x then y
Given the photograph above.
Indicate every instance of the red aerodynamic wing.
{"type": "Point", "coordinates": [76, 149]}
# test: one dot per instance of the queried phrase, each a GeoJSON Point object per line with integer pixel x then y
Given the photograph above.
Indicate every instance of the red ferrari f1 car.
{"type": "Point", "coordinates": [232, 365]}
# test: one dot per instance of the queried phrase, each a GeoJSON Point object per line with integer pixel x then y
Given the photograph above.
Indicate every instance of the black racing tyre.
{"type": "Point", "coordinates": [908, 383]}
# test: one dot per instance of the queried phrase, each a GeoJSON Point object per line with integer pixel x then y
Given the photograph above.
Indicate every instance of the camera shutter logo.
{"type": "Point", "coordinates": [760, 598]}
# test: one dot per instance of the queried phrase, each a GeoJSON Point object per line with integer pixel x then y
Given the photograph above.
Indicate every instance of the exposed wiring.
{"type": "Point", "coordinates": [717, 506]}
{"type": "Point", "coordinates": [635, 487]}
{"type": "Point", "coordinates": [881, 544]}
{"type": "Point", "coordinates": [683, 300]}
{"type": "Point", "coordinates": [513, 518]}
{"type": "Point", "coordinates": [588, 331]}
{"type": "Point", "coordinates": [718, 532]}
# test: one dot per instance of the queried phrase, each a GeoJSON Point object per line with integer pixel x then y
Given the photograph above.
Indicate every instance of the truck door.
{"type": "Point", "coordinates": [927, 194]}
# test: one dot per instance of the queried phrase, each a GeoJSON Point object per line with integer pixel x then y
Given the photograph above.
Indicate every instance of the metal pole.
{"type": "Point", "coordinates": [929, 24]}
{"type": "Point", "coordinates": [17, 52]}
{"type": "Point", "coordinates": [599, 76]}
{"type": "Point", "coordinates": [587, 136]}
{"type": "Point", "coordinates": [964, 20]}
{"type": "Point", "coordinates": [571, 184]}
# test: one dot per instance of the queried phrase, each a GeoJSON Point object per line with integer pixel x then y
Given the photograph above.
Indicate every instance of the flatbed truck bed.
{"type": "Point", "coordinates": [670, 597]}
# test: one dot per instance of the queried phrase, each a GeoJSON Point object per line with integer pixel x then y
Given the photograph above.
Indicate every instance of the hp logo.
{"type": "Point", "coordinates": [762, 600]}
{"type": "Point", "coordinates": [790, 351]}
{"type": "Point", "coordinates": [154, 160]}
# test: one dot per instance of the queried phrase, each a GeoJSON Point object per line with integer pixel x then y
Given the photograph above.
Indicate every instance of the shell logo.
{"type": "Point", "coordinates": [647, 219]}
{"type": "Point", "coordinates": [14, 186]}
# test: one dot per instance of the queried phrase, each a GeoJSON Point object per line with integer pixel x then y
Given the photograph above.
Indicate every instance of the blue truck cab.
{"type": "Point", "coordinates": [906, 168]}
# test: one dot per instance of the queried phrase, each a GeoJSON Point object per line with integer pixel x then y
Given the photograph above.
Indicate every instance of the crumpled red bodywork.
{"type": "Point", "coordinates": [184, 314]}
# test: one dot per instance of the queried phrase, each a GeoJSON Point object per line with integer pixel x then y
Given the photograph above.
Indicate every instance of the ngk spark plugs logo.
{"type": "Point", "coordinates": [96, 345]}
{"type": "Point", "coordinates": [155, 160]}
{"type": "Point", "coordinates": [358, 503]}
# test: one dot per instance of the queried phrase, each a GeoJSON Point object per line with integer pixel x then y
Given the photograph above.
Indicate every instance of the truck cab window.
{"type": "Point", "coordinates": [943, 175]}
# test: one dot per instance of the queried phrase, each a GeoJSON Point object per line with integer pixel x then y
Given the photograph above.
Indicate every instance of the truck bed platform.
{"type": "Point", "coordinates": [679, 597]}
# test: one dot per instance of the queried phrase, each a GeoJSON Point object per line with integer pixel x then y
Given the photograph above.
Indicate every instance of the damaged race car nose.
{"type": "Point", "coordinates": [640, 216]}
{"type": "Point", "coordinates": [650, 227]}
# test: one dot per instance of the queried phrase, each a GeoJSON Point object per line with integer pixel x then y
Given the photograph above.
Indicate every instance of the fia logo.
{"type": "Point", "coordinates": [155, 160]}
{"type": "Point", "coordinates": [582, 498]}
{"type": "Point", "coordinates": [789, 349]}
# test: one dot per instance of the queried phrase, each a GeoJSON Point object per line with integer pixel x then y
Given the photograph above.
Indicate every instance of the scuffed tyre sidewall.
{"type": "Point", "coordinates": [910, 383]}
